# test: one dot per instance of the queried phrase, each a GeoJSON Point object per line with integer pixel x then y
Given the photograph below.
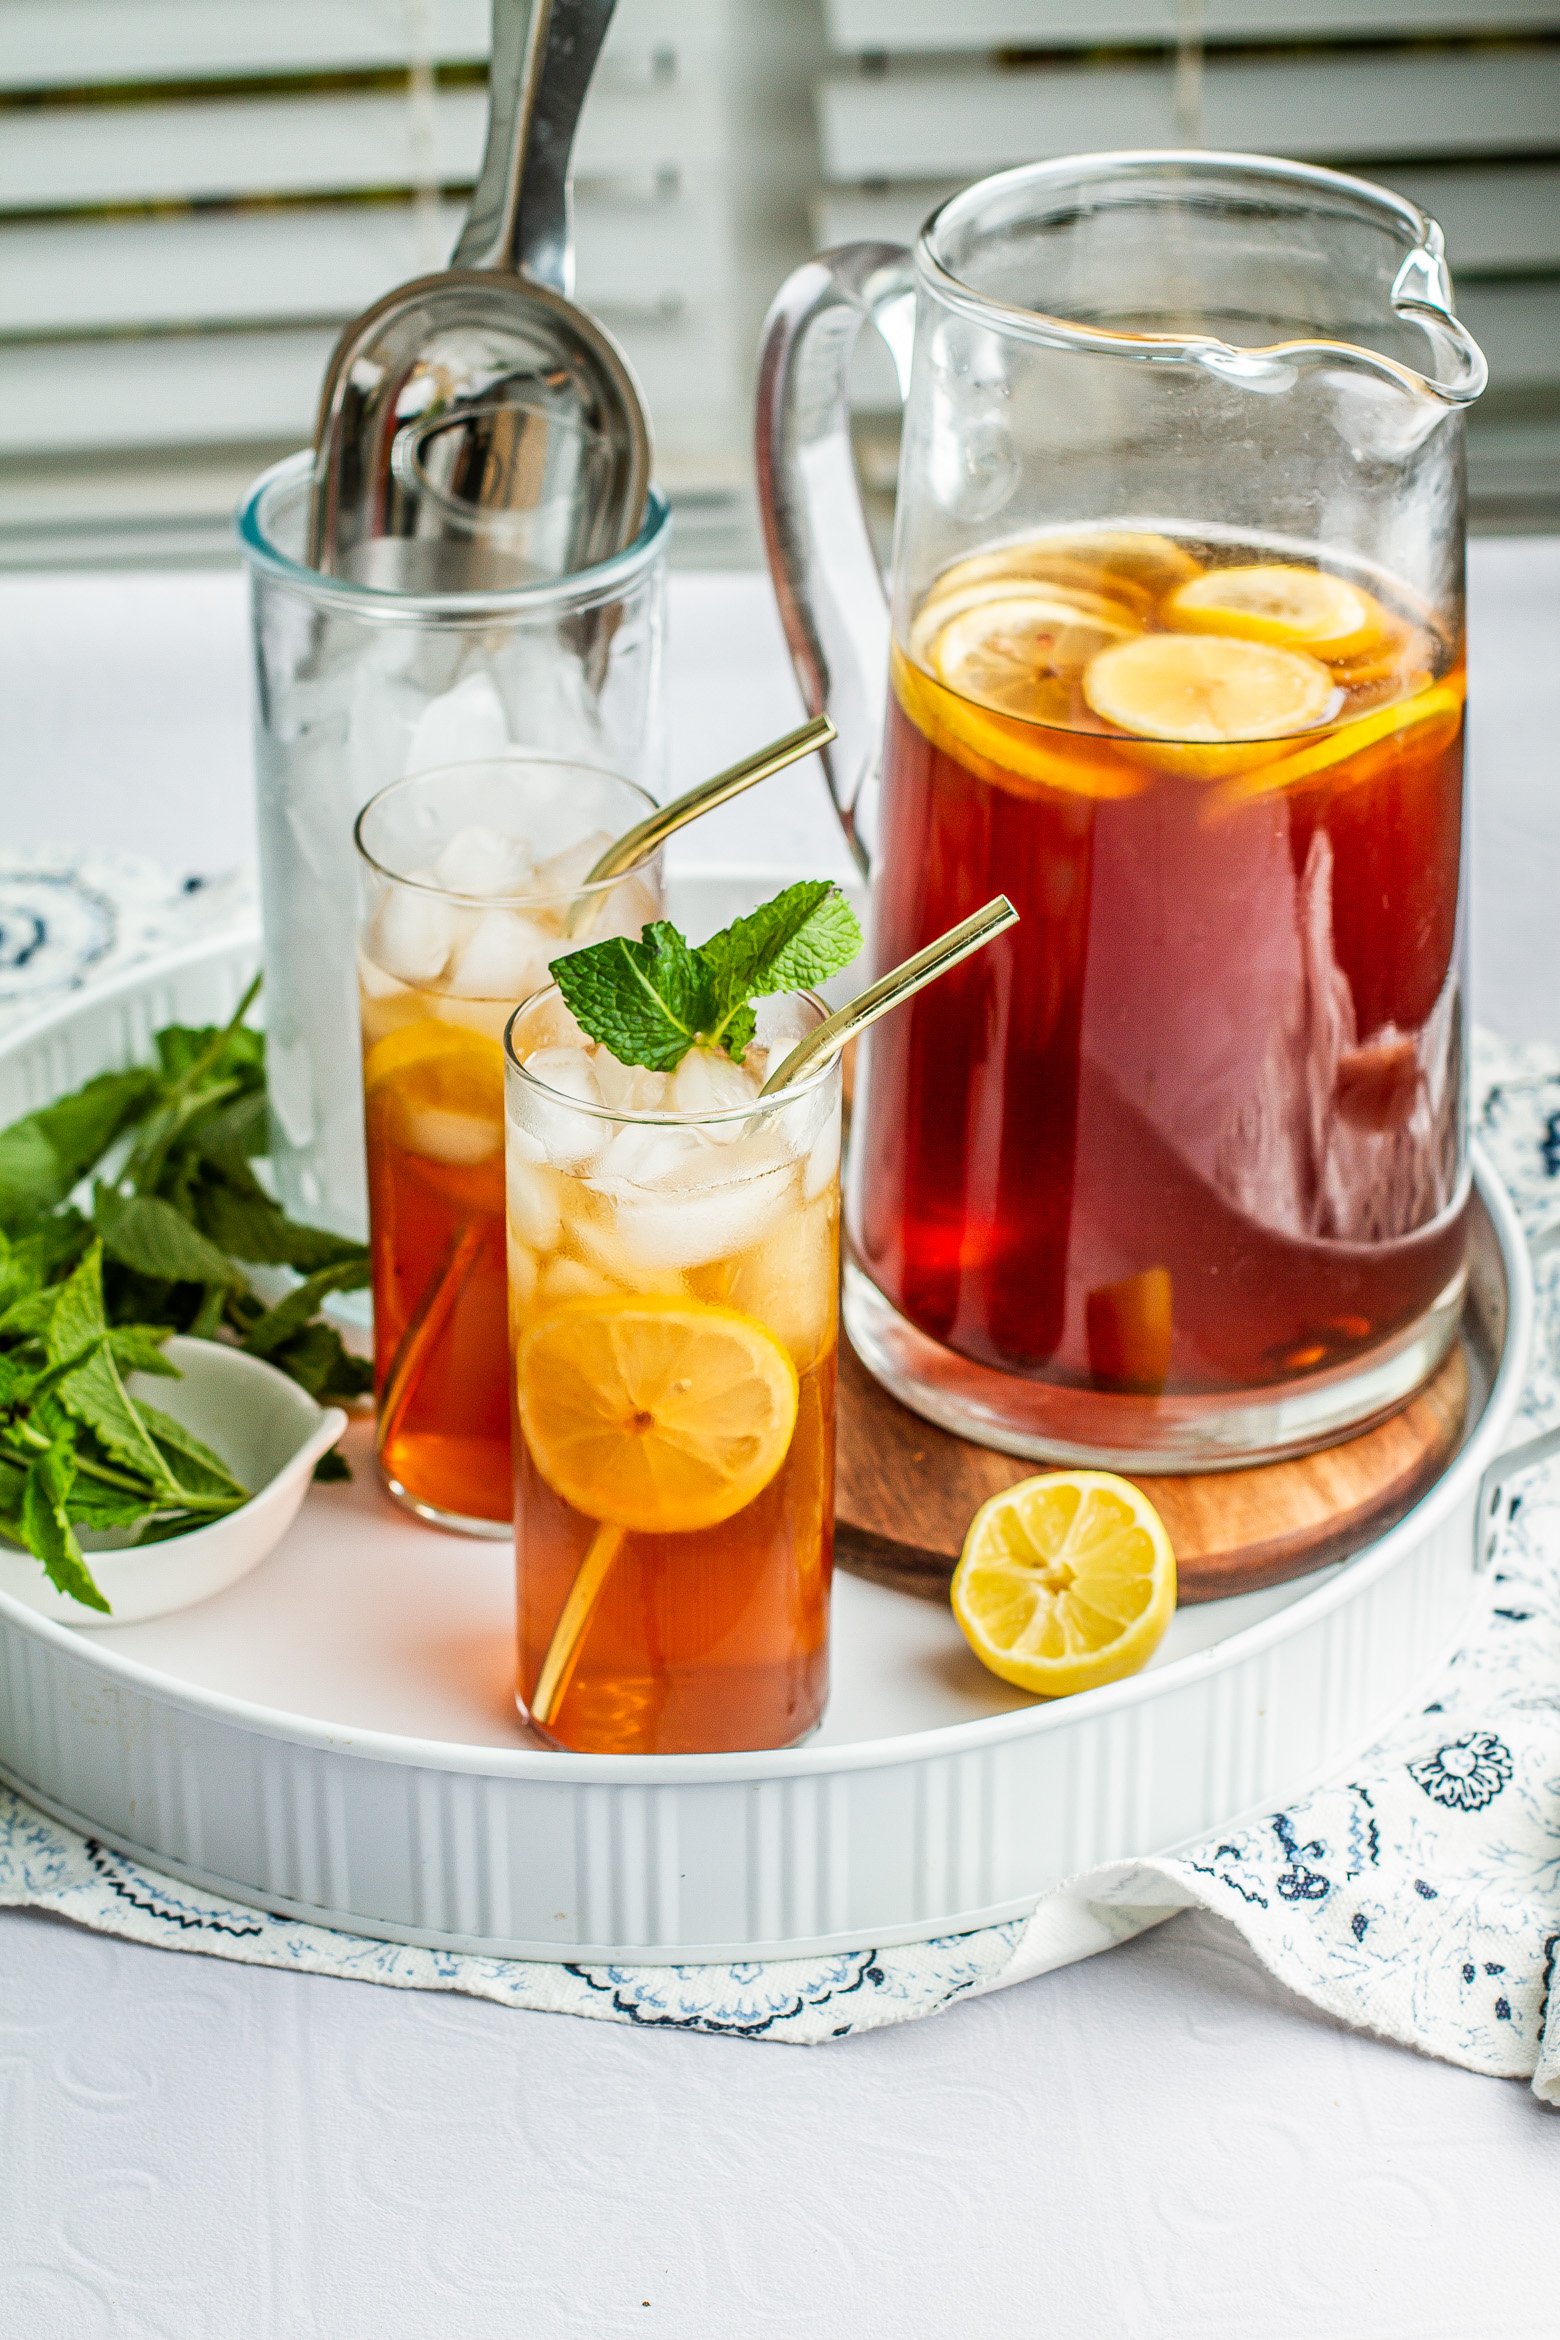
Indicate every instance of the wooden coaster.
{"type": "Point", "coordinates": [907, 1491]}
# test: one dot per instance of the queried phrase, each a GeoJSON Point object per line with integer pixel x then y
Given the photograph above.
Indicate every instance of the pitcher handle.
{"type": "Point", "coordinates": [826, 578]}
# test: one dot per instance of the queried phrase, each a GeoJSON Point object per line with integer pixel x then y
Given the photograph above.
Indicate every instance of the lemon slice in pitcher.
{"type": "Point", "coordinates": [661, 1416]}
{"type": "Point", "coordinates": [1281, 603]}
{"type": "Point", "coordinates": [1209, 705]}
{"type": "Point", "coordinates": [1065, 1582]}
{"type": "Point", "coordinates": [1020, 653]}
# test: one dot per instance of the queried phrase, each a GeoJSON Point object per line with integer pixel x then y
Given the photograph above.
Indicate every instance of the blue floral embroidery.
{"type": "Point", "coordinates": [1296, 1881]}
{"type": "Point", "coordinates": [1467, 1774]}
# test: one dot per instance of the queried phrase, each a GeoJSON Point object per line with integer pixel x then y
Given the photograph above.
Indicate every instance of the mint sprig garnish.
{"type": "Point", "coordinates": [650, 1001]}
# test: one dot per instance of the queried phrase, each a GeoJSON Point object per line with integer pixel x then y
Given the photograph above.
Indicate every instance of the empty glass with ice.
{"type": "Point", "coordinates": [468, 878]}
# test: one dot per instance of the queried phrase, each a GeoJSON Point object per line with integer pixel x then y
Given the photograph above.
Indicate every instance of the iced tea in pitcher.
{"type": "Point", "coordinates": [1194, 1127]}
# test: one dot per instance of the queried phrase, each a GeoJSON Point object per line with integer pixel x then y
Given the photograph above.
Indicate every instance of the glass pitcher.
{"type": "Point", "coordinates": [1175, 1175]}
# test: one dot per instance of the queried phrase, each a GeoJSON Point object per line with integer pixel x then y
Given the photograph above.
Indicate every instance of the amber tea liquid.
{"type": "Point", "coordinates": [1194, 1127]}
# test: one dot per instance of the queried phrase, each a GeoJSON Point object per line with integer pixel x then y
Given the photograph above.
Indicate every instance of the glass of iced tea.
{"type": "Point", "coordinates": [471, 881]}
{"type": "Point", "coordinates": [673, 1274]}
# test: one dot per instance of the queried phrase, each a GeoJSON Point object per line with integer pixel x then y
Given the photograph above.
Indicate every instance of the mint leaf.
{"type": "Point", "coordinates": [138, 1348]}
{"type": "Point", "coordinates": [46, 1530]}
{"type": "Point", "coordinates": [44, 1154]}
{"type": "Point", "coordinates": [250, 1226]}
{"type": "Point", "coordinates": [290, 1315]}
{"type": "Point", "coordinates": [648, 1001]}
{"type": "Point", "coordinates": [651, 1001]}
{"type": "Point", "coordinates": [150, 1235]}
{"type": "Point", "coordinates": [92, 1391]}
{"type": "Point", "coordinates": [803, 936]}
{"type": "Point", "coordinates": [195, 1470]}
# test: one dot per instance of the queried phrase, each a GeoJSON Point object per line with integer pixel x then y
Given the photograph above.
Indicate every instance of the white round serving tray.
{"type": "Point", "coordinates": [335, 1737]}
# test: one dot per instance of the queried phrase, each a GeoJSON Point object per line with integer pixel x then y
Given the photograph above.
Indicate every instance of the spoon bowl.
{"type": "Point", "coordinates": [477, 430]}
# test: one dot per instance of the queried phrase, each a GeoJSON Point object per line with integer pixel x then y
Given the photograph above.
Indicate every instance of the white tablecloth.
{"type": "Point", "coordinates": [1156, 2144]}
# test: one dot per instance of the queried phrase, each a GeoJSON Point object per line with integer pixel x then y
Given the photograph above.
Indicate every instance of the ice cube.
{"type": "Point", "coordinates": [442, 1135]}
{"type": "Point", "coordinates": [462, 726]}
{"type": "Point", "coordinates": [413, 934]}
{"type": "Point", "coordinates": [823, 1158]}
{"type": "Point", "coordinates": [480, 860]}
{"type": "Point", "coordinates": [504, 956]}
{"type": "Point", "coordinates": [565, 872]}
{"type": "Point", "coordinates": [789, 1282]}
{"type": "Point", "coordinates": [705, 1207]}
{"type": "Point", "coordinates": [524, 1270]}
{"type": "Point", "coordinates": [646, 1154]}
{"type": "Point", "coordinates": [707, 1083]}
{"type": "Point", "coordinates": [569, 1138]}
{"type": "Point", "coordinates": [535, 1214]}
{"type": "Point", "coordinates": [630, 1088]}
{"type": "Point", "coordinates": [563, 1278]}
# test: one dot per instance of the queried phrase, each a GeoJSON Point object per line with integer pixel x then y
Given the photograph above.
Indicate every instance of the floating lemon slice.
{"type": "Point", "coordinates": [1065, 1582]}
{"type": "Point", "coordinates": [1066, 607]}
{"type": "Point", "coordinates": [1020, 652]}
{"type": "Point", "coordinates": [438, 1067]}
{"type": "Point", "coordinates": [660, 1416]}
{"type": "Point", "coordinates": [1435, 711]}
{"type": "Point", "coordinates": [1128, 569]}
{"type": "Point", "coordinates": [1007, 751]}
{"type": "Point", "coordinates": [1203, 689]}
{"type": "Point", "coordinates": [1209, 705]}
{"type": "Point", "coordinates": [1277, 602]}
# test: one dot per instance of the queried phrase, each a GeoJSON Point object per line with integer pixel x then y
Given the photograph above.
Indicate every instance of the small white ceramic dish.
{"type": "Point", "coordinates": [268, 1431]}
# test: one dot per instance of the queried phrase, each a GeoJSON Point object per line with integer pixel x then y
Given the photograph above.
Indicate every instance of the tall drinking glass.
{"type": "Point", "coordinates": [471, 881]}
{"type": "Point", "coordinates": [356, 685]}
{"type": "Point", "coordinates": [673, 1270]}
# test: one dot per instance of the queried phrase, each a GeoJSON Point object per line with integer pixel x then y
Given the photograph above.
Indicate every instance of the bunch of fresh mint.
{"type": "Point", "coordinates": [92, 1283]}
{"type": "Point", "coordinates": [650, 1001]}
{"type": "Point", "coordinates": [76, 1450]}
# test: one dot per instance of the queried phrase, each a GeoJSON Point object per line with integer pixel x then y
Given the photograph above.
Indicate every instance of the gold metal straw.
{"type": "Point", "coordinates": [637, 844]}
{"type": "Point", "coordinates": [912, 975]}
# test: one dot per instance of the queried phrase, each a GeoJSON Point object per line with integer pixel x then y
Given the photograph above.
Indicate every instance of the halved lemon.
{"type": "Point", "coordinates": [661, 1416]}
{"type": "Point", "coordinates": [1066, 1581]}
{"type": "Point", "coordinates": [1282, 603]}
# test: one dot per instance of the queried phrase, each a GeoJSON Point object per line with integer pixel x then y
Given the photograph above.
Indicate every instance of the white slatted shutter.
{"type": "Point", "coordinates": [1456, 102]}
{"type": "Point", "coordinates": [195, 193]}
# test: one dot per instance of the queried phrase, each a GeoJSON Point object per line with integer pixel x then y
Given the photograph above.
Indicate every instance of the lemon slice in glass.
{"type": "Point", "coordinates": [1281, 603]}
{"type": "Point", "coordinates": [660, 1416]}
{"type": "Point", "coordinates": [1065, 1582]}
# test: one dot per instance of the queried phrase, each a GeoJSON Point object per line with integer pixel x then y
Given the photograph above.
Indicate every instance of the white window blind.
{"type": "Point", "coordinates": [1455, 102]}
{"type": "Point", "coordinates": [195, 193]}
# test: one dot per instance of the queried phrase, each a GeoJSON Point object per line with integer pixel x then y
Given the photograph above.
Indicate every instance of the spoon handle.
{"type": "Point", "coordinates": [520, 216]}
